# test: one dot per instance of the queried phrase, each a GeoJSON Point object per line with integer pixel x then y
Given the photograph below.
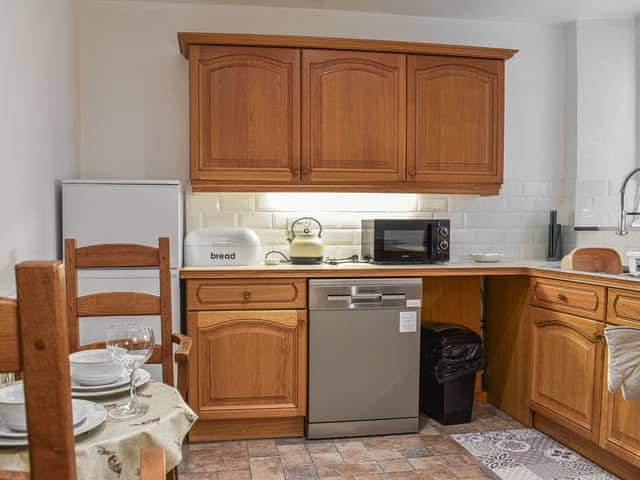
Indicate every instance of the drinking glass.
{"type": "Point", "coordinates": [130, 345]}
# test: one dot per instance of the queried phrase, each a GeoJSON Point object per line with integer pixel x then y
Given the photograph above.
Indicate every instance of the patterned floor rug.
{"type": "Point", "coordinates": [527, 454]}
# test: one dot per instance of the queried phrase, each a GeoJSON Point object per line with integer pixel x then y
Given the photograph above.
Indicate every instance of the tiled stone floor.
{"type": "Point", "coordinates": [428, 455]}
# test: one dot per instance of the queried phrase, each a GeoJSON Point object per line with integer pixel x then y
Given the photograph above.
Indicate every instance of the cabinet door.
{"type": "Point", "coordinates": [620, 426]}
{"type": "Point", "coordinates": [353, 116]}
{"type": "Point", "coordinates": [251, 364]}
{"type": "Point", "coordinates": [566, 370]}
{"type": "Point", "coordinates": [455, 122]}
{"type": "Point", "coordinates": [245, 114]}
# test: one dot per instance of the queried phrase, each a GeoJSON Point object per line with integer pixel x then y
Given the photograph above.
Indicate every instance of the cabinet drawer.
{"type": "Point", "coordinates": [569, 297]}
{"type": "Point", "coordinates": [623, 306]}
{"type": "Point", "coordinates": [246, 294]}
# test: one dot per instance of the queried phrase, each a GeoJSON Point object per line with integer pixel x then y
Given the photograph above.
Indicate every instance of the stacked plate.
{"type": "Point", "coordinates": [95, 374]}
{"type": "Point", "coordinates": [120, 385]}
{"type": "Point", "coordinates": [13, 429]}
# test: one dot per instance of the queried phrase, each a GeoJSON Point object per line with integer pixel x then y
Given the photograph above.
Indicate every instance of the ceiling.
{"type": "Point", "coordinates": [528, 11]}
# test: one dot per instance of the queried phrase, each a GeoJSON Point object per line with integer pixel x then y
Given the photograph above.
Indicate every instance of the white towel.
{"type": "Point", "coordinates": [624, 361]}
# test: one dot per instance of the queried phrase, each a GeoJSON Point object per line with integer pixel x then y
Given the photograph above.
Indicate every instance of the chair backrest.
{"type": "Point", "coordinates": [34, 340]}
{"type": "Point", "coordinates": [121, 255]}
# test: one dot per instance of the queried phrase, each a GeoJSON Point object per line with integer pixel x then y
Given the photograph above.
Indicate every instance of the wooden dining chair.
{"type": "Point", "coordinates": [124, 255]}
{"type": "Point", "coordinates": [34, 342]}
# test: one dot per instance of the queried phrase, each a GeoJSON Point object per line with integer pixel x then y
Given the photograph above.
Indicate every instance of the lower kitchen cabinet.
{"type": "Point", "coordinates": [248, 365]}
{"type": "Point", "coordinates": [567, 357]}
{"type": "Point", "coordinates": [620, 427]}
{"type": "Point", "coordinates": [620, 424]}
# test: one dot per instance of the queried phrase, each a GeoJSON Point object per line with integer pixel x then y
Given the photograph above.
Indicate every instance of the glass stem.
{"type": "Point", "coordinates": [133, 399]}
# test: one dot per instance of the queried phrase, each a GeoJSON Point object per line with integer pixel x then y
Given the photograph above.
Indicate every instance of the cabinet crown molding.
{"type": "Point", "coordinates": [186, 39]}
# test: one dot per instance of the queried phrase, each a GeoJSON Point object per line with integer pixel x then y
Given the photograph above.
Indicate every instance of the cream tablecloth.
{"type": "Point", "coordinates": [112, 451]}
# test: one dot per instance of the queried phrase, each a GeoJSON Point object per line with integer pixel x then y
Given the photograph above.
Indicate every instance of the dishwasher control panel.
{"type": "Point", "coordinates": [338, 294]}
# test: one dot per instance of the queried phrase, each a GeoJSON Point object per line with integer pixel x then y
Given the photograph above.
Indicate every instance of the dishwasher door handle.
{"type": "Point", "coordinates": [367, 298]}
{"type": "Point", "coordinates": [354, 299]}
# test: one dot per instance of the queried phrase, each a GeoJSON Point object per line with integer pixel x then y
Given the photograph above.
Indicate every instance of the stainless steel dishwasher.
{"type": "Point", "coordinates": [364, 356]}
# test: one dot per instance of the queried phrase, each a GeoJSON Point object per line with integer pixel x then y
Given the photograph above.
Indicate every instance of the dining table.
{"type": "Point", "coordinates": [111, 451]}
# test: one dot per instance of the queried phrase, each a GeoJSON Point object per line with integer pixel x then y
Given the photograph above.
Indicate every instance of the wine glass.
{"type": "Point", "coordinates": [130, 345]}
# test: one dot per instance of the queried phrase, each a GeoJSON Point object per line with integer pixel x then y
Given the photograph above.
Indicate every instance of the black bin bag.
{"type": "Point", "coordinates": [450, 356]}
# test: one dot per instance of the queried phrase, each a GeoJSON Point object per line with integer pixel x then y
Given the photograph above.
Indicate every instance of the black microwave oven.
{"type": "Point", "coordinates": [406, 240]}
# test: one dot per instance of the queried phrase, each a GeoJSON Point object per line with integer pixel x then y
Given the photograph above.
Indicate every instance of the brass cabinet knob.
{"type": "Point", "coordinates": [246, 295]}
{"type": "Point", "coordinates": [562, 297]}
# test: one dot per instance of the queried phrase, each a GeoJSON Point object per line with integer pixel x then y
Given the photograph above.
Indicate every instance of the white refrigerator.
{"type": "Point", "coordinates": [124, 211]}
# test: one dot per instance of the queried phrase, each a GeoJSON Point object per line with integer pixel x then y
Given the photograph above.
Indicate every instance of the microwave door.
{"type": "Point", "coordinates": [405, 244]}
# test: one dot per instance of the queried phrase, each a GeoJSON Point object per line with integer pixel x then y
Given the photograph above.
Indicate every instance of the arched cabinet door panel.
{"type": "Point", "coordinates": [353, 127]}
{"type": "Point", "coordinates": [566, 370]}
{"type": "Point", "coordinates": [251, 364]}
{"type": "Point", "coordinates": [455, 120]}
{"type": "Point", "coordinates": [245, 114]}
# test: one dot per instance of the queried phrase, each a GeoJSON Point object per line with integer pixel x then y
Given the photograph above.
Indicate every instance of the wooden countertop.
{"type": "Point", "coordinates": [453, 269]}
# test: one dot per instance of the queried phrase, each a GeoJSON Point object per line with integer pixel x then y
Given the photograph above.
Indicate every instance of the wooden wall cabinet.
{"type": "Point", "coordinates": [567, 370]}
{"type": "Point", "coordinates": [353, 116]}
{"type": "Point", "coordinates": [455, 123]}
{"type": "Point", "coordinates": [273, 113]}
{"type": "Point", "coordinates": [245, 115]}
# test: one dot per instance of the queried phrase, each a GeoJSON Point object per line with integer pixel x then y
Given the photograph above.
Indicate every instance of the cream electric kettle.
{"type": "Point", "coordinates": [306, 247]}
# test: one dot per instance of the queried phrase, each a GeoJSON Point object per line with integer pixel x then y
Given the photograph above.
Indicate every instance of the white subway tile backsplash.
{"type": "Point", "coordinates": [221, 219]}
{"type": "Point", "coordinates": [272, 236]}
{"type": "Point", "coordinates": [236, 202]}
{"type": "Point", "coordinates": [592, 187]}
{"type": "Point", "coordinates": [492, 236]}
{"type": "Point", "coordinates": [513, 222]}
{"type": "Point", "coordinates": [477, 204]}
{"type": "Point", "coordinates": [255, 220]}
{"type": "Point", "coordinates": [338, 237]}
{"type": "Point", "coordinates": [475, 220]}
{"type": "Point", "coordinates": [548, 203]}
{"type": "Point", "coordinates": [511, 188]}
{"type": "Point", "coordinates": [459, 236]}
{"type": "Point", "coordinates": [521, 204]}
{"type": "Point", "coordinates": [535, 251]}
{"type": "Point", "coordinates": [203, 202]}
{"type": "Point", "coordinates": [433, 204]}
{"type": "Point", "coordinates": [535, 188]}
{"type": "Point", "coordinates": [521, 236]}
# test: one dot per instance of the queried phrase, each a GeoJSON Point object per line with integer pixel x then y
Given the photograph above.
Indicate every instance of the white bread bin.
{"type": "Point", "coordinates": [208, 247]}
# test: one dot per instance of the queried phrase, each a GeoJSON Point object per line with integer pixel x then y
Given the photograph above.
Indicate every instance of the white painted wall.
{"type": "Point", "coordinates": [37, 129]}
{"type": "Point", "coordinates": [133, 106]}
{"type": "Point", "coordinates": [605, 84]}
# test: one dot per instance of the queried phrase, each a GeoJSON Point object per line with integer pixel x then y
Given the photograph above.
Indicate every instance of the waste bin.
{"type": "Point", "coordinates": [450, 356]}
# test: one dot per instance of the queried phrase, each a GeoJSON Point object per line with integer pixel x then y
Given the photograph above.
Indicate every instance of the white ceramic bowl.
{"type": "Point", "coordinates": [491, 257]}
{"type": "Point", "coordinates": [12, 409]}
{"type": "Point", "coordinates": [94, 367]}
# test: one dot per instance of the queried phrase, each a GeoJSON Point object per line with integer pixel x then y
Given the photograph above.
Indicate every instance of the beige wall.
{"type": "Point", "coordinates": [133, 103]}
{"type": "Point", "coordinates": [37, 136]}
{"type": "Point", "coordinates": [133, 83]}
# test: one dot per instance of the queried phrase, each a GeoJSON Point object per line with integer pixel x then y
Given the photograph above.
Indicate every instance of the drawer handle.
{"type": "Point", "coordinates": [246, 295]}
{"type": "Point", "coordinates": [562, 297]}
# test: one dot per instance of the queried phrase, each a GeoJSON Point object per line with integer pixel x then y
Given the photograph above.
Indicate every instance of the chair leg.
{"type": "Point", "coordinates": [173, 474]}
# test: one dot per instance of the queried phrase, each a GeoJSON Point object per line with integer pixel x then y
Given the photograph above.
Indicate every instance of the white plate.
{"type": "Point", "coordinates": [80, 411]}
{"type": "Point", "coordinates": [142, 377]}
{"type": "Point", "coordinates": [96, 415]}
{"type": "Point", "coordinates": [487, 257]}
{"type": "Point", "coordinates": [121, 380]}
